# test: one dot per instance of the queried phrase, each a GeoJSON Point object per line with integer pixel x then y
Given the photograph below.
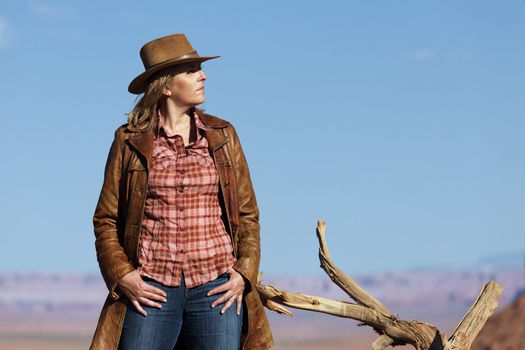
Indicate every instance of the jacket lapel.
{"type": "Point", "coordinates": [216, 138]}
{"type": "Point", "coordinates": [143, 143]}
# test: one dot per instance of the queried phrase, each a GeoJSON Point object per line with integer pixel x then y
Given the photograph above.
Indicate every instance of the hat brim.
{"type": "Point", "coordinates": [138, 85]}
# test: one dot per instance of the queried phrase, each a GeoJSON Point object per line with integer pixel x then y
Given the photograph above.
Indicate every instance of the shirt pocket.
{"type": "Point", "coordinates": [164, 159]}
{"type": "Point", "coordinates": [204, 160]}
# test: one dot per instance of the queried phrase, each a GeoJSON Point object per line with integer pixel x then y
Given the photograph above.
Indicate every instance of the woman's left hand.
{"type": "Point", "coordinates": [233, 288]}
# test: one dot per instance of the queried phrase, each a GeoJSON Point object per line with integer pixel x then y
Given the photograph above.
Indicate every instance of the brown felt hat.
{"type": "Point", "coordinates": [161, 53]}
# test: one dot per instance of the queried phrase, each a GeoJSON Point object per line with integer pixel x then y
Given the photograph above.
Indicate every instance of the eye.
{"type": "Point", "coordinates": [194, 69]}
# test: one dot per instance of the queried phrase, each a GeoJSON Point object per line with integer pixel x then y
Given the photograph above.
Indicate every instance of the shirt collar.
{"type": "Point", "coordinates": [195, 123]}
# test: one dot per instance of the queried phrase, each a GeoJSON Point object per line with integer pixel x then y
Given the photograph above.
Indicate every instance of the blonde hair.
{"type": "Point", "coordinates": [142, 116]}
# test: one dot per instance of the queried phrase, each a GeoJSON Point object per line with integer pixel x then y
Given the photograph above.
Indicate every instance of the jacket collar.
{"type": "Point", "coordinates": [142, 140]}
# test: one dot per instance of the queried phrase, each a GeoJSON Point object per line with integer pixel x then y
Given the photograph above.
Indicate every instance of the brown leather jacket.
{"type": "Point", "coordinates": [118, 218]}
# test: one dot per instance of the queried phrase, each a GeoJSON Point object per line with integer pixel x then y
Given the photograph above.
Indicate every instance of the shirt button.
{"type": "Point", "coordinates": [181, 189]}
{"type": "Point", "coordinates": [181, 209]}
{"type": "Point", "coordinates": [181, 171]}
{"type": "Point", "coordinates": [181, 251]}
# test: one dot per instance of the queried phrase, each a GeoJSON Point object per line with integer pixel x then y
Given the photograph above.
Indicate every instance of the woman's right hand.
{"type": "Point", "coordinates": [139, 292]}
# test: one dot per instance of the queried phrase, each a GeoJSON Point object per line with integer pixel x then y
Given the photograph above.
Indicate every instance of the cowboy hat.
{"type": "Point", "coordinates": [161, 53]}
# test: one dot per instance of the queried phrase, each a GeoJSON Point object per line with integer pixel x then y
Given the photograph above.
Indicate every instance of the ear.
{"type": "Point", "coordinates": [166, 91]}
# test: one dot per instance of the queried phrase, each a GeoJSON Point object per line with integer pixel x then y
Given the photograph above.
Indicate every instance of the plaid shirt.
{"type": "Point", "coordinates": [182, 230]}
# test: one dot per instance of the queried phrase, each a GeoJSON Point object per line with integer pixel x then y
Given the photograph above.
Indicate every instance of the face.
{"type": "Point", "coordinates": [186, 87]}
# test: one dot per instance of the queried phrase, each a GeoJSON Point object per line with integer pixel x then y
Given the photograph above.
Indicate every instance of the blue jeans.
{"type": "Point", "coordinates": [187, 315]}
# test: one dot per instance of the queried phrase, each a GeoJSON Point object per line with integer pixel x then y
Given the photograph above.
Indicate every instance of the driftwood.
{"type": "Point", "coordinates": [371, 312]}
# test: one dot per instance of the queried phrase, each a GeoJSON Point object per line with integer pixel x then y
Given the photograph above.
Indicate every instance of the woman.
{"type": "Point", "coordinates": [176, 224]}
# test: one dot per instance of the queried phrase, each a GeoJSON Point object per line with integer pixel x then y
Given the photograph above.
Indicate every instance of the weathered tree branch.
{"type": "Point", "coordinates": [382, 342]}
{"type": "Point", "coordinates": [341, 279]}
{"type": "Point", "coordinates": [371, 312]}
{"type": "Point", "coordinates": [473, 321]}
{"type": "Point", "coordinates": [319, 304]}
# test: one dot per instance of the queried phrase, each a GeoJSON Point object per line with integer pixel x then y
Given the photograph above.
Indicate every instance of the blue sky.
{"type": "Point", "coordinates": [399, 123]}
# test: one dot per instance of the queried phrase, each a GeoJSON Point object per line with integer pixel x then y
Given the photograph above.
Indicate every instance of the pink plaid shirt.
{"type": "Point", "coordinates": [182, 230]}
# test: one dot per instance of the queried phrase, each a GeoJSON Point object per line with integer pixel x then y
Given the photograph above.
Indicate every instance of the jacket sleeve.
{"type": "Point", "coordinates": [112, 259]}
{"type": "Point", "coordinates": [248, 245]}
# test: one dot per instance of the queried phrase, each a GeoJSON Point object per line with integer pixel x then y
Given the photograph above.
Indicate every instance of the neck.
{"type": "Point", "coordinates": [174, 117]}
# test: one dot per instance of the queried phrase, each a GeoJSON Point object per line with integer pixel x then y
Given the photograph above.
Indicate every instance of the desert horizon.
{"type": "Point", "coordinates": [60, 311]}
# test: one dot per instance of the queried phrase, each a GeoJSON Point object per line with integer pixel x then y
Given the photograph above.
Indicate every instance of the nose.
{"type": "Point", "coordinates": [202, 75]}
